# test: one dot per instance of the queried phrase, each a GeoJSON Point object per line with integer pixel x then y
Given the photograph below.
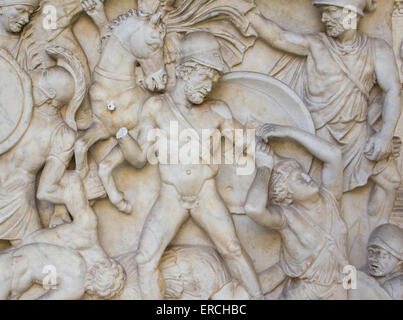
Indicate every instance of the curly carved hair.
{"type": "Point", "coordinates": [105, 280]}
{"type": "Point", "coordinates": [184, 69]}
{"type": "Point", "coordinates": [279, 192]}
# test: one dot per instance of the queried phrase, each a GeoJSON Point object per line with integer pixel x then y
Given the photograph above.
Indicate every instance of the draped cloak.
{"type": "Point", "coordinates": [335, 84]}
{"type": "Point", "coordinates": [313, 255]}
{"type": "Point", "coordinates": [227, 22]}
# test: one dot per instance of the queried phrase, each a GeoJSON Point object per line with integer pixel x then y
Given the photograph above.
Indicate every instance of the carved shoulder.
{"type": "Point", "coordinates": [383, 51]}
{"type": "Point", "coordinates": [386, 68]}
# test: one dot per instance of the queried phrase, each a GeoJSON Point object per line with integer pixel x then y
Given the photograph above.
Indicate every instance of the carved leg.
{"type": "Point", "coordinates": [214, 218]}
{"type": "Point", "coordinates": [73, 289]}
{"type": "Point", "coordinates": [105, 170]}
{"type": "Point", "coordinates": [95, 133]}
{"type": "Point", "coordinates": [77, 203]}
{"type": "Point", "coordinates": [162, 224]}
{"type": "Point", "coordinates": [383, 195]}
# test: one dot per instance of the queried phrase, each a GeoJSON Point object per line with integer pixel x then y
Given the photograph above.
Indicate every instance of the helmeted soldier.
{"type": "Point", "coordinates": [14, 15]}
{"type": "Point", "coordinates": [187, 189]}
{"type": "Point", "coordinates": [342, 67]}
{"type": "Point", "coordinates": [385, 258]}
{"type": "Point", "coordinates": [47, 143]}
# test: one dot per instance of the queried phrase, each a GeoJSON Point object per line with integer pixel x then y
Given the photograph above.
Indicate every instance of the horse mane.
{"type": "Point", "coordinates": [117, 22]}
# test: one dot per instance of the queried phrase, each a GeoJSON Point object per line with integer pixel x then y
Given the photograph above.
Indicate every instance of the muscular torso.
{"type": "Point", "coordinates": [299, 236]}
{"type": "Point", "coordinates": [188, 179]}
{"type": "Point", "coordinates": [313, 242]}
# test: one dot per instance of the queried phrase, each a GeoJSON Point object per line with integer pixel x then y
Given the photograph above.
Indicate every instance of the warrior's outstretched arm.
{"type": "Point", "coordinates": [95, 9]}
{"type": "Point", "coordinates": [330, 155]}
{"type": "Point", "coordinates": [379, 145]}
{"type": "Point", "coordinates": [132, 151]}
{"type": "Point", "coordinates": [274, 35]}
{"type": "Point", "coordinates": [135, 150]}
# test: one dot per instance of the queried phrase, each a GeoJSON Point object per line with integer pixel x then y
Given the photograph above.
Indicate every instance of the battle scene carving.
{"type": "Point", "coordinates": [201, 149]}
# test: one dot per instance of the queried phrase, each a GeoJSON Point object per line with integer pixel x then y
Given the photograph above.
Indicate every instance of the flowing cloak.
{"type": "Point", "coordinates": [336, 86]}
{"type": "Point", "coordinates": [313, 256]}
{"type": "Point", "coordinates": [18, 212]}
{"type": "Point", "coordinates": [31, 50]}
{"type": "Point", "coordinates": [225, 21]}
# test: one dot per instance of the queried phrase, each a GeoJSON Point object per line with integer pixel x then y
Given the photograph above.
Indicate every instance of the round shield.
{"type": "Point", "coordinates": [254, 99]}
{"type": "Point", "coordinates": [15, 101]}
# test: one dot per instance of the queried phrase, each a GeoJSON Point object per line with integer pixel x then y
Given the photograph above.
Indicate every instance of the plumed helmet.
{"type": "Point", "coordinates": [390, 238]}
{"type": "Point", "coordinates": [72, 64]}
{"type": "Point", "coordinates": [360, 5]}
{"type": "Point", "coordinates": [202, 47]}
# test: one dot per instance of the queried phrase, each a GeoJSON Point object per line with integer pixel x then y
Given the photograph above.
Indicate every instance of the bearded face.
{"type": "Point", "coordinates": [199, 82]}
{"type": "Point", "coordinates": [14, 18]}
{"type": "Point", "coordinates": [336, 20]}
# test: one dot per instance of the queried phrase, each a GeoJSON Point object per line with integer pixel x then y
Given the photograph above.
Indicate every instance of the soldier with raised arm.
{"type": "Point", "coordinates": [342, 66]}
{"type": "Point", "coordinates": [306, 214]}
{"type": "Point", "coordinates": [52, 25]}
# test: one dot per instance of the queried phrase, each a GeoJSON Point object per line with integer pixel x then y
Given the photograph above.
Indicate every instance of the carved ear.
{"type": "Point", "coordinates": [156, 18]}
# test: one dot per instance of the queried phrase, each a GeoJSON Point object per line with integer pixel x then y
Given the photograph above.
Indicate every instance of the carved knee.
{"type": "Point", "coordinates": [233, 250]}
{"type": "Point", "coordinates": [72, 178]}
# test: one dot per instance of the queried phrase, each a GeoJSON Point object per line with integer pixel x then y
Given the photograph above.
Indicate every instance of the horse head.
{"type": "Point", "coordinates": [147, 46]}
